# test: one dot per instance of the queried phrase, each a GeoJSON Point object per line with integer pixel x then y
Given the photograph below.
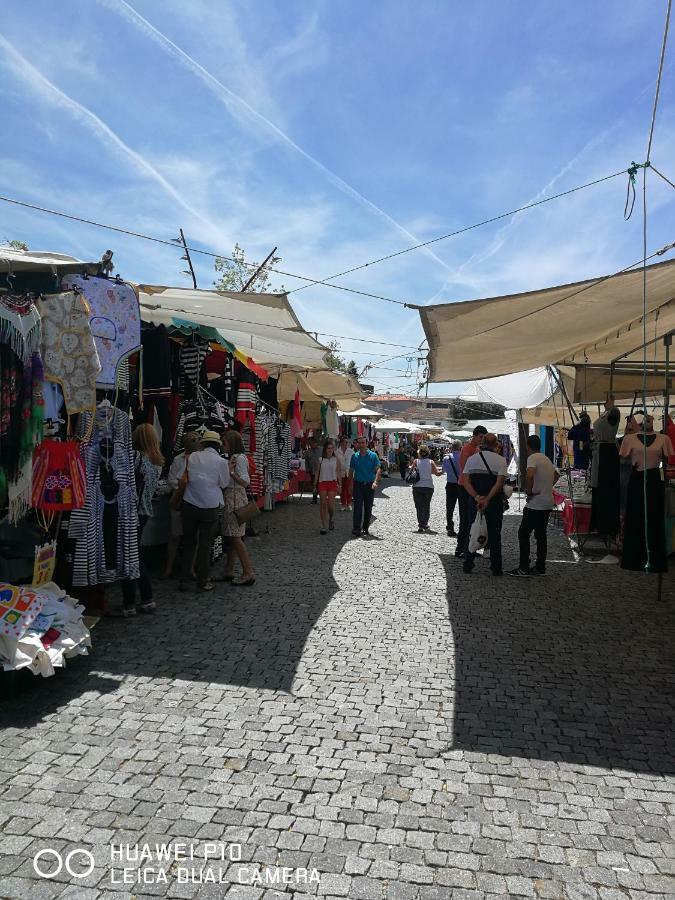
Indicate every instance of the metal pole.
{"type": "Point", "coordinates": [187, 258]}
{"type": "Point", "coordinates": [667, 342]}
{"type": "Point", "coordinates": [258, 270]}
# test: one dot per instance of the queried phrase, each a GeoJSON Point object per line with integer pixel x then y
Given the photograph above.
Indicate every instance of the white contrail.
{"type": "Point", "coordinates": [235, 103]}
{"type": "Point", "coordinates": [90, 120]}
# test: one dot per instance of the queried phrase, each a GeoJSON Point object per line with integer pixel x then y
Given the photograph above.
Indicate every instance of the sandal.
{"type": "Point", "coordinates": [204, 588]}
{"type": "Point", "coordinates": [248, 582]}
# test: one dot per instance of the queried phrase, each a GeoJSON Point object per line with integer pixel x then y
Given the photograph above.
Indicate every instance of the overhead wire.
{"type": "Point", "coordinates": [174, 244]}
{"type": "Point", "coordinates": [312, 281]}
{"type": "Point", "coordinates": [443, 237]}
{"type": "Point", "coordinates": [650, 139]}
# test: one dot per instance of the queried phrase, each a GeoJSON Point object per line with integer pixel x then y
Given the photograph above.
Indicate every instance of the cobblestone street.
{"type": "Point", "coordinates": [368, 711]}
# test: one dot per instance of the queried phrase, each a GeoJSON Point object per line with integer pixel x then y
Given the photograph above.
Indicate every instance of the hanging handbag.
{"type": "Point", "coordinates": [59, 477]}
{"type": "Point", "coordinates": [413, 476]}
{"type": "Point", "coordinates": [245, 513]}
{"type": "Point", "coordinates": [177, 496]}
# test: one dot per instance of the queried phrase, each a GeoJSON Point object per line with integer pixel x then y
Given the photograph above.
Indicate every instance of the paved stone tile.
{"type": "Point", "coordinates": [367, 712]}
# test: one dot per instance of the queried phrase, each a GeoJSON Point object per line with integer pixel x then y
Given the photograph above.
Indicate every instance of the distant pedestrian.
{"type": "Point", "coordinates": [344, 454]}
{"type": "Point", "coordinates": [328, 477]}
{"type": "Point", "coordinates": [190, 443]}
{"type": "Point", "coordinates": [235, 497]}
{"type": "Point", "coordinates": [312, 460]}
{"type": "Point", "coordinates": [423, 489]}
{"type": "Point", "coordinates": [539, 480]}
{"type": "Point", "coordinates": [402, 459]}
{"type": "Point", "coordinates": [467, 452]}
{"type": "Point", "coordinates": [483, 480]}
{"type": "Point", "coordinates": [365, 472]}
{"type": "Point", "coordinates": [208, 474]}
{"type": "Point", "coordinates": [148, 462]}
{"type": "Point", "coordinates": [452, 471]}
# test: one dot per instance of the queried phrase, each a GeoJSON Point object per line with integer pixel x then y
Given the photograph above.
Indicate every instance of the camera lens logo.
{"type": "Point", "coordinates": [49, 863]}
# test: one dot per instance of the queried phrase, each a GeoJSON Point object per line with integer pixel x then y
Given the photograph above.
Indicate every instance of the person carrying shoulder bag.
{"type": "Point", "coordinates": [483, 480]}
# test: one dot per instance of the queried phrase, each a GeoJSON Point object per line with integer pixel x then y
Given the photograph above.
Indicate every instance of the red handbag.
{"type": "Point", "coordinates": [59, 478]}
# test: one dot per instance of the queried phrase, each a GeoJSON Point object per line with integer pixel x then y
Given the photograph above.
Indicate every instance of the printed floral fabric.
{"type": "Point", "coordinates": [68, 349]}
{"type": "Point", "coordinates": [115, 321]}
{"type": "Point", "coordinates": [19, 606]}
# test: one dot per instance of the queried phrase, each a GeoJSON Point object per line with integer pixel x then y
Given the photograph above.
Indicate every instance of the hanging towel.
{"type": "Point", "coordinates": [296, 419]}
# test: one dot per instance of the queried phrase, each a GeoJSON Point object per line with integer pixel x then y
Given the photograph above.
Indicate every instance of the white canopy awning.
{"type": "Point", "coordinates": [397, 425]}
{"type": "Point", "coordinates": [592, 321]}
{"type": "Point", "coordinates": [263, 326]}
{"type": "Point", "coordinates": [518, 391]}
{"type": "Point", "coordinates": [39, 260]}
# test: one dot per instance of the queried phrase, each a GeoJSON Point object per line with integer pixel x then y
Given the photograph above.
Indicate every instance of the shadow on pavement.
{"type": "Point", "coordinates": [577, 666]}
{"type": "Point", "coordinates": [251, 637]}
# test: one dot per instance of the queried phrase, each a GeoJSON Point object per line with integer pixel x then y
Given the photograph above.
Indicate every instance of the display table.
{"type": "Point", "coordinates": [583, 515]}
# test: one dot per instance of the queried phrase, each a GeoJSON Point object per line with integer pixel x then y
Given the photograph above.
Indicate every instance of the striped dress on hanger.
{"type": "Point", "coordinates": [94, 527]}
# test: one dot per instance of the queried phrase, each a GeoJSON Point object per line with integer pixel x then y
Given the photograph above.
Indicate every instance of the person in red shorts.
{"type": "Point", "coordinates": [326, 481]}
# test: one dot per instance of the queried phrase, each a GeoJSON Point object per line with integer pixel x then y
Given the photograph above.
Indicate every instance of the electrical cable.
{"type": "Point", "coordinates": [459, 231]}
{"type": "Point", "coordinates": [174, 244]}
{"type": "Point", "coordinates": [593, 284]}
{"type": "Point", "coordinates": [644, 281]}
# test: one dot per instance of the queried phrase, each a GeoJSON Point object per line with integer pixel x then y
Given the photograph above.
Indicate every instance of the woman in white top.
{"type": "Point", "coordinates": [235, 498]}
{"type": "Point", "coordinates": [344, 454]}
{"type": "Point", "coordinates": [423, 489]}
{"type": "Point", "coordinates": [326, 481]}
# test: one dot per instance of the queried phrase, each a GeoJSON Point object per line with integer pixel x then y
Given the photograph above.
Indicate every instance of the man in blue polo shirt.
{"type": "Point", "coordinates": [364, 468]}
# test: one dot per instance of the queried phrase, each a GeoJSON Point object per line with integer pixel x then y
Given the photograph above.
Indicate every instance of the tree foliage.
{"type": "Point", "coordinates": [234, 273]}
{"type": "Point", "coordinates": [16, 245]}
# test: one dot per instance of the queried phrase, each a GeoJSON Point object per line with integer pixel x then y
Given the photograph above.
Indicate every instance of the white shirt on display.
{"type": "Point", "coordinates": [545, 477]}
{"type": "Point", "coordinates": [208, 475]}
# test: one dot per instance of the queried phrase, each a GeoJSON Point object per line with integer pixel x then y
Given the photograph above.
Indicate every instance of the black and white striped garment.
{"type": "Point", "coordinates": [86, 524]}
{"type": "Point", "coordinates": [191, 357]}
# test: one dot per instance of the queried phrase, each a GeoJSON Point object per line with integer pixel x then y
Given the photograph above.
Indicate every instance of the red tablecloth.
{"type": "Point", "coordinates": [583, 516]}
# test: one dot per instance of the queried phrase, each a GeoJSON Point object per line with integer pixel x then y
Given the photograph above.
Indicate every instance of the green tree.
{"type": "Point", "coordinates": [352, 368]}
{"type": "Point", "coordinates": [16, 245]}
{"type": "Point", "coordinates": [234, 273]}
{"type": "Point", "coordinates": [333, 359]}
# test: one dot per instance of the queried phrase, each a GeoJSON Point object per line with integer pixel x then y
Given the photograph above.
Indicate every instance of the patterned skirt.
{"type": "Point", "coordinates": [235, 498]}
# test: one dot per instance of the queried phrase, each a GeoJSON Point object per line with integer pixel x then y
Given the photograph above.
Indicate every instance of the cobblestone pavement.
{"type": "Point", "coordinates": [368, 711]}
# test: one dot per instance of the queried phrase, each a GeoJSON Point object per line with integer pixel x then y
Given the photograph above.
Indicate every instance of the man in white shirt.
{"type": "Point", "coordinates": [208, 474]}
{"type": "Point", "coordinates": [483, 479]}
{"type": "Point", "coordinates": [539, 481]}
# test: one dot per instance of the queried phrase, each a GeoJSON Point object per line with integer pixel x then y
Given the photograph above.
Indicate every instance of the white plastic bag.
{"type": "Point", "coordinates": [478, 535]}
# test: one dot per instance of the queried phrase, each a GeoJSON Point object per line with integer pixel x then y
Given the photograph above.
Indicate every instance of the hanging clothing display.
{"type": "Point", "coordinates": [191, 356]}
{"type": "Point", "coordinates": [156, 361]}
{"type": "Point", "coordinates": [105, 529]}
{"type": "Point", "coordinates": [68, 349]}
{"type": "Point", "coordinates": [21, 418]}
{"type": "Point", "coordinates": [115, 320]}
{"type": "Point", "coordinates": [245, 412]}
{"type": "Point", "coordinates": [642, 547]}
{"type": "Point", "coordinates": [332, 421]}
{"type": "Point", "coordinates": [199, 411]}
{"type": "Point", "coordinates": [20, 328]}
{"type": "Point", "coordinates": [296, 417]}
{"type": "Point", "coordinates": [605, 475]}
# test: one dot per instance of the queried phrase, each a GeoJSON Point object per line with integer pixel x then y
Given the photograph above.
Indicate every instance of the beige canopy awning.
{"type": "Point", "coordinates": [321, 386]}
{"type": "Point", "coordinates": [592, 321]}
{"type": "Point", "coordinates": [263, 326]}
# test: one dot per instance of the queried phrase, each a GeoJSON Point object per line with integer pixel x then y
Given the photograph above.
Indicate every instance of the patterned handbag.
{"type": "Point", "coordinates": [59, 478]}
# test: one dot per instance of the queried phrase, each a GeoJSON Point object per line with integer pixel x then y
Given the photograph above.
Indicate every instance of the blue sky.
{"type": "Point", "coordinates": [338, 132]}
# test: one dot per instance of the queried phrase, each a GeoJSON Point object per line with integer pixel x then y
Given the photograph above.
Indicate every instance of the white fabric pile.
{"type": "Point", "coordinates": [60, 618]}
